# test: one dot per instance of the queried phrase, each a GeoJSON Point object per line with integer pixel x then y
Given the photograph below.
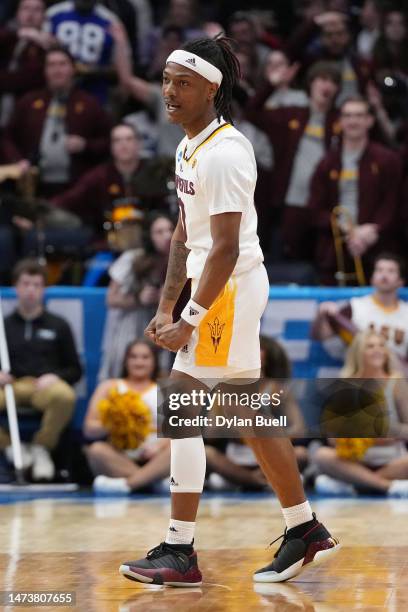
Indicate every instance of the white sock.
{"type": "Point", "coordinates": [296, 515]}
{"type": "Point", "coordinates": [180, 532]}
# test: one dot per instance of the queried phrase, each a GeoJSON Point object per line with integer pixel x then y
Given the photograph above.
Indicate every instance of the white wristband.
{"type": "Point", "coordinates": [193, 313]}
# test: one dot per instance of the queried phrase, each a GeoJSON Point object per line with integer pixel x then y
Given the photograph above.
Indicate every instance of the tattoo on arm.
{"type": "Point", "coordinates": [176, 276]}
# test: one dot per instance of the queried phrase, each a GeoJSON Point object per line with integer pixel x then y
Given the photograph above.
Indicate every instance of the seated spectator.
{"type": "Point", "coordinates": [299, 136]}
{"type": "Point", "coordinates": [60, 128]}
{"type": "Point", "coordinates": [44, 366]}
{"type": "Point", "coordinates": [124, 182]}
{"type": "Point", "coordinates": [378, 464]}
{"type": "Point", "coordinates": [96, 39]}
{"type": "Point", "coordinates": [133, 295]}
{"type": "Point", "coordinates": [391, 49]}
{"type": "Point", "coordinates": [370, 21]}
{"type": "Point", "coordinates": [381, 311]}
{"type": "Point", "coordinates": [237, 466]}
{"type": "Point", "coordinates": [124, 463]}
{"type": "Point", "coordinates": [278, 70]}
{"type": "Point", "coordinates": [22, 58]}
{"type": "Point", "coordinates": [332, 31]}
{"type": "Point", "coordinates": [365, 179]}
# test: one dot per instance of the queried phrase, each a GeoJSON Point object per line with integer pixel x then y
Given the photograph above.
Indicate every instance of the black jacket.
{"type": "Point", "coordinates": [44, 345]}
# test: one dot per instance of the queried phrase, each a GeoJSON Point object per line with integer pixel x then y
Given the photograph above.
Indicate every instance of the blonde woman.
{"type": "Point", "coordinates": [125, 471]}
{"type": "Point", "coordinates": [383, 466]}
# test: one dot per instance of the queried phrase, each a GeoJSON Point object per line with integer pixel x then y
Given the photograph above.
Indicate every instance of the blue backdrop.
{"type": "Point", "coordinates": [287, 318]}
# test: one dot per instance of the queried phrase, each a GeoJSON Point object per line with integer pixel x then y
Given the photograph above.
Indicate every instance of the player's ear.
{"type": "Point", "coordinates": [212, 91]}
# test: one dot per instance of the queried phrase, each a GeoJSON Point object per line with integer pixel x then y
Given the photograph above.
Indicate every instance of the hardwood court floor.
{"type": "Point", "coordinates": [76, 544]}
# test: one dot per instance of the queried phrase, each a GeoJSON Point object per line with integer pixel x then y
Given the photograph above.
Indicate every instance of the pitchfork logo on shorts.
{"type": "Point", "coordinates": [216, 330]}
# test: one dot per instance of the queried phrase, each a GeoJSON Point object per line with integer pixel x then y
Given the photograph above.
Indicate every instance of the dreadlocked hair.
{"type": "Point", "coordinates": [218, 51]}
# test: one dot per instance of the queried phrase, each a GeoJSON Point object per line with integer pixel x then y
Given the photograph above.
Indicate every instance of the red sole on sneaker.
{"type": "Point", "coordinates": [157, 579]}
{"type": "Point", "coordinates": [320, 556]}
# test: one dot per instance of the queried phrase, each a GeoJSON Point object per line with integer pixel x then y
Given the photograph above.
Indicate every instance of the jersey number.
{"type": "Point", "coordinates": [85, 42]}
{"type": "Point", "coordinates": [182, 216]}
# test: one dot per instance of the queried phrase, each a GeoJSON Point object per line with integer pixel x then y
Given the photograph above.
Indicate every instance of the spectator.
{"type": "Point", "coordinates": [299, 136]}
{"type": "Point", "coordinates": [364, 178]}
{"type": "Point", "coordinates": [261, 143]}
{"type": "Point", "coordinates": [22, 59]}
{"type": "Point", "coordinates": [370, 20]}
{"type": "Point", "coordinates": [136, 279]}
{"type": "Point", "coordinates": [391, 49]}
{"type": "Point", "coordinates": [333, 32]}
{"type": "Point", "coordinates": [60, 128]}
{"type": "Point", "coordinates": [182, 17]}
{"type": "Point", "coordinates": [383, 466]}
{"type": "Point", "coordinates": [126, 470]}
{"type": "Point", "coordinates": [124, 183]}
{"type": "Point", "coordinates": [277, 69]}
{"type": "Point", "coordinates": [381, 311]}
{"type": "Point", "coordinates": [44, 366]}
{"type": "Point", "coordinates": [242, 29]}
{"type": "Point", "coordinates": [95, 38]}
{"type": "Point", "coordinates": [160, 137]}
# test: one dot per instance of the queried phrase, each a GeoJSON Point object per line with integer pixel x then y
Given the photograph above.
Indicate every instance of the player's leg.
{"type": "Point", "coordinates": [305, 541]}
{"type": "Point", "coordinates": [174, 561]}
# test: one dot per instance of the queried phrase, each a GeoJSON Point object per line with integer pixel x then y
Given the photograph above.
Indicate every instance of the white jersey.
{"type": "Point", "coordinates": [392, 323]}
{"type": "Point", "coordinates": [216, 173]}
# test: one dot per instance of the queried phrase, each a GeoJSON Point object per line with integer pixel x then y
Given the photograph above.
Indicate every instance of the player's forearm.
{"type": "Point", "coordinates": [218, 268]}
{"type": "Point", "coordinates": [176, 276]}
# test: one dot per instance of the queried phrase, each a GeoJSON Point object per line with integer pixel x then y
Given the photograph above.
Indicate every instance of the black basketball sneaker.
{"type": "Point", "coordinates": [168, 564]}
{"type": "Point", "coordinates": [303, 546]}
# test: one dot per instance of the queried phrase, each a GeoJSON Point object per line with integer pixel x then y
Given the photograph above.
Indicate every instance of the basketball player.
{"type": "Point", "coordinates": [216, 245]}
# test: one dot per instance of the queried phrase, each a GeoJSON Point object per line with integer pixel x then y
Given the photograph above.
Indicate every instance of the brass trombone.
{"type": "Point", "coordinates": [341, 225]}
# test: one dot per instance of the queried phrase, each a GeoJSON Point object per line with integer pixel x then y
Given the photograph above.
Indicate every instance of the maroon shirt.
{"type": "Point", "coordinates": [98, 191]}
{"type": "Point", "coordinates": [29, 74]}
{"type": "Point", "coordinates": [85, 117]}
{"type": "Point", "coordinates": [285, 127]}
{"type": "Point", "coordinates": [378, 197]}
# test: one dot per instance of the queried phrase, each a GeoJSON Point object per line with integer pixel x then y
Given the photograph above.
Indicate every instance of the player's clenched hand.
{"type": "Point", "coordinates": [175, 335]}
{"type": "Point", "coordinates": [159, 320]}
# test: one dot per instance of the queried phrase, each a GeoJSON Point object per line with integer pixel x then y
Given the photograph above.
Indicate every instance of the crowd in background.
{"type": "Point", "coordinates": [322, 97]}
{"type": "Point", "coordinates": [86, 171]}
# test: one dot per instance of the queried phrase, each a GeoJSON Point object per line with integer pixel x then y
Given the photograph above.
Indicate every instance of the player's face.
{"type": "Point", "coordinates": [140, 362]}
{"type": "Point", "coordinates": [59, 71]}
{"type": "Point", "coordinates": [386, 276]}
{"type": "Point", "coordinates": [30, 290]}
{"type": "Point", "coordinates": [125, 145]}
{"type": "Point", "coordinates": [30, 14]}
{"type": "Point", "coordinates": [187, 95]}
{"type": "Point", "coordinates": [375, 352]}
{"type": "Point", "coordinates": [161, 232]}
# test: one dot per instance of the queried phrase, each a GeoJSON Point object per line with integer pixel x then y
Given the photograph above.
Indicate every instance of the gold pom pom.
{"type": "Point", "coordinates": [127, 418]}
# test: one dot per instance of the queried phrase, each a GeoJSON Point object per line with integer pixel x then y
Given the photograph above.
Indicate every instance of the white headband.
{"type": "Point", "coordinates": [196, 63]}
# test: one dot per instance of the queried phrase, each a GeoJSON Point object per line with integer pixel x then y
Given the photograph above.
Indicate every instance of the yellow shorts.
{"type": "Point", "coordinates": [227, 340]}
